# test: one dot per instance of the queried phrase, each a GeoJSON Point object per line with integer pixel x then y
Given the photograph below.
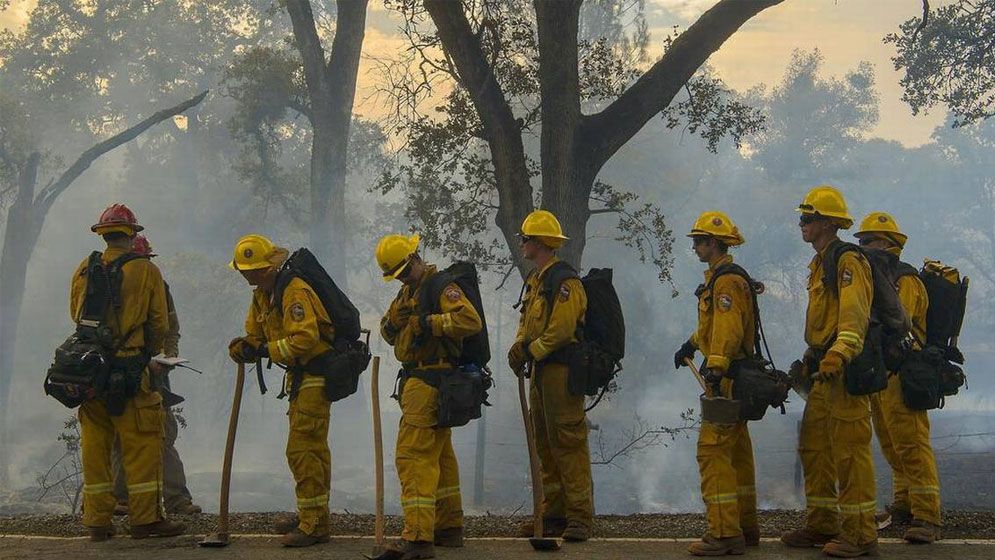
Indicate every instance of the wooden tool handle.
{"type": "Point", "coordinates": [236, 405]}
{"type": "Point", "coordinates": [377, 450]}
{"type": "Point", "coordinates": [697, 374]}
{"type": "Point", "coordinates": [537, 496]}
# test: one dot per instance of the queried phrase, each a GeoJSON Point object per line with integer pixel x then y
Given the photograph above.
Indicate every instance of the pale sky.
{"type": "Point", "coordinates": [845, 31]}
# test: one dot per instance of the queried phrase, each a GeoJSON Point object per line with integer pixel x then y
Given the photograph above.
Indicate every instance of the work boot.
{"type": "Point", "coordinates": [407, 550]}
{"type": "Point", "coordinates": [551, 527]}
{"type": "Point", "coordinates": [752, 536]}
{"type": "Point", "coordinates": [804, 538]}
{"type": "Point", "coordinates": [120, 509]}
{"type": "Point", "coordinates": [101, 534]}
{"type": "Point", "coordinates": [922, 532]}
{"type": "Point", "coordinates": [451, 537]}
{"type": "Point", "coordinates": [284, 523]}
{"type": "Point", "coordinates": [714, 546]}
{"type": "Point", "coordinates": [299, 539]}
{"type": "Point", "coordinates": [840, 548]}
{"type": "Point", "coordinates": [184, 507]}
{"type": "Point", "coordinates": [161, 528]}
{"type": "Point", "coordinates": [576, 532]}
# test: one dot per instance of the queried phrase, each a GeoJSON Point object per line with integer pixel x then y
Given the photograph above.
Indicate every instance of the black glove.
{"type": "Point", "coordinates": [686, 352]}
{"type": "Point", "coordinates": [711, 376]}
{"type": "Point", "coordinates": [519, 356]}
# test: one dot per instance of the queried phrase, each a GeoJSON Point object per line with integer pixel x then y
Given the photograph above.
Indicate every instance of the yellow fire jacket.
{"type": "Point", "coordinates": [838, 323]}
{"type": "Point", "coordinates": [457, 321]}
{"type": "Point", "coordinates": [726, 318]}
{"type": "Point", "coordinates": [296, 333]}
{"type": "Point", "coordinates": [548, 330]}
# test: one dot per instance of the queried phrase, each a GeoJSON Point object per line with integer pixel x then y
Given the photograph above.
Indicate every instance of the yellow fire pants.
{"type": "Point", "coordinates": [308, 455]}
{"type": "Point", "coordinates": [140, 429]}
{"type": "Point", "coordinates": [835, 447]}
{"type": "Point", "coordinates": [561, 441]}
{"type": "Point", "coordinates": [728, 488]}
{"type": "Point", "coordinates": [426, 466]}
{"type": "Point", "coordinates": [904, 437]}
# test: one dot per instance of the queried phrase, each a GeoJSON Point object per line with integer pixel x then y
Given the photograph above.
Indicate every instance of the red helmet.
{"type": "Point", "coordinates": [117, 217]}
{"type": "Point", "coordinates": [140, 246]}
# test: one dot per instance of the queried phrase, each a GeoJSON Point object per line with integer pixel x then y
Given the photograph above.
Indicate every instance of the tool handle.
{"type": "Point", "coordinates": [236, 405]}
{"type": "Point", "coordinates": [537, 496]}
{"type": "Point", "coordinates": [377, 451]}
{"type": "Point", "coordinates": [697, 374]}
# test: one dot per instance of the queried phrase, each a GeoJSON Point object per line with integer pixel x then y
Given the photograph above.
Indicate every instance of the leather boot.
{"type": "Point", "coordinates": [184, 507]}
{"type": "Point", "coordinates": [752, 536]}
{"type": "Point", "coordinates": [714, 546]}
{"type": "Point", "coordinates": [551, 527]}
{"type": "Point", "coordinates": [284, 523]}
{"type": "Point", "coordinates": [101, 534]}
{"type": "Point", "coordinates": [120, 509]}
{"type": "Point", "coordinates": [161, 528]}
{"type": "Point", "coordinates": [451, 537]}
{"type": "Point", "coordinates": [576, 532]}
{"type": "Point", "coordinates": [804, 538]}
{"type": "Point", "coordinates": [407, 550]}
{"type": "Point", "coordinates": [299, 539]}
{"type": "Point", "coordinates": [922, 532]}
{"type": "Point", "coordinates": [840, 548]}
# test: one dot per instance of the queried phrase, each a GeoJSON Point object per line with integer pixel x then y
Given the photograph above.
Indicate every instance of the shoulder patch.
{"type": "Point", "coordinates": [724, 302]}
{"type": "Point", "coordinates": [453, 293]}
{"type": "Point", "coordinates": [297, 312]}
{"type": "Point", "coordinates": [846, 277]}
{"type": "Point", "coordinates": [564, 292]}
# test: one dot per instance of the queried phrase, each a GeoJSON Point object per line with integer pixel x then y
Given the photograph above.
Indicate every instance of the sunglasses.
{"type": "Point", "coordinates": [806, 219]}
{"type": "Point", "coordinates": [523, 239]}
{"type": "Point", "coordinates": [699, 240]}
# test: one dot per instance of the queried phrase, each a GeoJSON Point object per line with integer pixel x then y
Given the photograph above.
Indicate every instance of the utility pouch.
{"type": "Point", "coordinates": [920, 378]}
{"type": "Point", "coordinates": [341, 368]}
{"type": "Point", "coordinates": [590, 368]}
{"type": "Point", "coordinates": [123, 382]}
{"type": "Point", "coordinates": [758, 386]}
{"type": "Point", "coordinates": [867, 374]}
{"type": "Point", "coordinates": [462, 394]}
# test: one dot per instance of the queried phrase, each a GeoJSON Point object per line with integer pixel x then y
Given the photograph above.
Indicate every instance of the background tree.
{"type": "Point", "coordinates": [522, 74]}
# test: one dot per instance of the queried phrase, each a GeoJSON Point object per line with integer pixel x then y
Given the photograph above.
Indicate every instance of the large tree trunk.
{"type": "Point", "coordinates": [331, 91]}
{"type": "Point", "coordinates": [24, 223]}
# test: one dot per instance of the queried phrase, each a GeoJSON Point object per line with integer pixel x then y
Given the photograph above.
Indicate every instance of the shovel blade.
{"type": "Point", "coordinates": [215, 540]}
{"type": "Point", "coordinates": [544, 545]}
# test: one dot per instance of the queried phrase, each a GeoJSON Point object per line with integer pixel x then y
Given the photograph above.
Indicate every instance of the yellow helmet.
{"type": "Point", "coordinates": [718, 225]}
{"type": "Point", "coordinates": [544, 225]}
{"type": "Point", "coordinates": [825, 200]}
{"type": "Point", "coordinates": [253, 252]}
{"type": "Point", "coordinates": [393, 252]}
{"type": "Point", "coordinates": [882, 223]}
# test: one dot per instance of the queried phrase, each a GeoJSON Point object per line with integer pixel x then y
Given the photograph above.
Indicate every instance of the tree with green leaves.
{"type": "Point", "coordinates": [525, 77]}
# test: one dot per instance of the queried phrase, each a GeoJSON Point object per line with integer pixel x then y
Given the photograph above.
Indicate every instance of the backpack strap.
{"type": "Point", "coordinates": [755, 288]}
{"type": "Point", "coordinates": [98, 293]}
{"type": "Point", "coordinates": [905, 269]}
{"type": "Point", "coordinates": [556, 274]}
{"type": "Point", "coordinates": [831, 263]}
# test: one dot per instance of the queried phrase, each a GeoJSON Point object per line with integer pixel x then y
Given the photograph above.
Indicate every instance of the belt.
{"type": "Point", "coordinates": [430, 364]}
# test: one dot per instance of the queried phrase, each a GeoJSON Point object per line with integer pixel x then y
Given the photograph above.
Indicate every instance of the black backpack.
{"type": "Point", "coordinates": [349, 356]}
{"type": "Point", "coordinates": [885, 342]}
{"type": "Point", "coordinates": [344, 315]}
{"type": "Point", "coordinates": [476, 349]}
{"type": "Point", "coordinates": [597, 357]}
{"type": "Point", "coordinates": [758, 384]}
{"type": "Point", "coordinates": [85, 366]}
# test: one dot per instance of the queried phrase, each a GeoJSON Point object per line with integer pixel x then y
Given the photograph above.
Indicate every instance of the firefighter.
{"type": "Point", "coordinates": [427, 346]}
{"type": "Point", "coordinates": [176, 497]}
{"type": "Point", "coordinates": [557, 415]}
{"type": "Point", "coordinates": [139, 324]}
{"type": "Point", "coordinates": [726, 333]}
{"type": "Point", "coordinates": [291, 335]}
{"type": "Point", "coordinates": [902, 432]}
{"type": "Point", "coordinates": [835, 438]}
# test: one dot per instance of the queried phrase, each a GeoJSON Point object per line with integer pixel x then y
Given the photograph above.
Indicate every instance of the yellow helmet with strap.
{"type": "Point", "coordinates": [253, 252]}
{"type": "Point", "coordinates": [882, 223]}
{"type": "Point", "coordinates": [825, 200]}
{"type": "Point", "coordinates": [544, 225]}
{"type": "Point", "coordinates": [393, 253]}
{"type": "Point", "coordinates": [718, 225]}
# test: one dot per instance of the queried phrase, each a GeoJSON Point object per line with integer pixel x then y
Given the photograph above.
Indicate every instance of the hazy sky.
{"type": "Point", "coordinates": [846, 31]}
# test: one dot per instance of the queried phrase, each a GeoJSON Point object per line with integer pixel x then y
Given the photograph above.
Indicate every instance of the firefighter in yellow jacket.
{"type": "Point", "coordinates": [427, 346]}
{"type": "Point", "coordinates": [726, 333]}
{"type": "Point", "coordinates": [835, 439]}
{"type": "Point", "coordinates": [557, 415]}
{"type": "Point", "coordinates": [291, 335]}
{"type": "Point", "coordinates": [902, 432]}
{"type": "Point", "coordinates": [138, 322]}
